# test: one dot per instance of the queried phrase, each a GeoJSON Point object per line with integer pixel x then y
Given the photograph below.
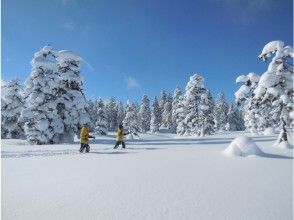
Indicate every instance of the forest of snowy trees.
{"type": "Point", "coordinates": [51, 106]}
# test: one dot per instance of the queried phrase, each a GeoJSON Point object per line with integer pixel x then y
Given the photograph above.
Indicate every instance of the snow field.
{"type": "Point", "coordinates": [157, 177]}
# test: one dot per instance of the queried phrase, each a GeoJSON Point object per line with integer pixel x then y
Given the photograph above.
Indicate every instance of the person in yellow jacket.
{"type": "Point", "coordinates": [120, 137]}
{"type": "Point", "coordinates": [84, 139]}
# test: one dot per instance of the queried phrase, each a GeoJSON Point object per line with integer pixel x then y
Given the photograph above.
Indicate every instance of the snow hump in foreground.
{"type": "Point", "coordinates": [243, 146]}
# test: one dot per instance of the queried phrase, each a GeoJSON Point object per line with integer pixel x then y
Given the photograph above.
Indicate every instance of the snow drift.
{"type": "Point", "coordinates": [243, 146]}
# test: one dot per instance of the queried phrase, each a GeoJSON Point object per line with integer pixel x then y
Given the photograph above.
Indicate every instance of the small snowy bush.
{"type": "Point", "coordinates": [243, 146]}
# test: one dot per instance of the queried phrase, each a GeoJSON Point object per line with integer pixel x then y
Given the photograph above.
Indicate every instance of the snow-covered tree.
{"type": "Point", "coordinates": [253, 116]}
{"type": "Point", "coordinates": [235, 121]}
{"type": "Point", "coordinates": [276, 84]}
{"type": "Point", "coordinates": [167, 112]}
{"type": "Point", "coordinates": [130, 121]}
{"type": "Point", "coordinates": [162, 100]}
{"type": "Point", "coordinates": [194, 90]}
{"type": "Point", "coordinates": [42, 123]}
{"type": "Point", "coordinates": [145, 114]}
{"type": "Point", "coordinates": [11, 107]}
{"type": "Point", "coordinates": [91, 109]}
{"type": "Point", "coordinates": [206, 119]}
{"type": "Point", "coordinates": [175, 115]}
{"type": "Point", "coordinates": [221, 111]}
{"type": "Point", "coordinates": [111, 112]}
{"type": "Point", "coordinates": [120, 113]}
{"type": "Point", "coordinates": [155, 116]}
{"type": "Point", "coordinates": [72, 104]}
{"type": "Point", "coordinates": [101, 120]}
{"type": "Point", "coordinates": [180, 112]}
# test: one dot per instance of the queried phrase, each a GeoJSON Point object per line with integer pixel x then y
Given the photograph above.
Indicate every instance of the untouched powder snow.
{"type": "Point", "coordinates": [160, 176]}
{"type": "Point", "coordinates": [243, 146]}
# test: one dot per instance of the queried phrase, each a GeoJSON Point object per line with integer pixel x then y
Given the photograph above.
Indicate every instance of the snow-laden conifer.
{"type": "Point", "coordinates": [155, 116]}
{"type": "Point", "coordinates": [276, 84]}
{"type": "Point", "coordinates": [206, 114]}
{"type": "Point", "coordinates": [72, 104]}
{"type": "Point", "coordinates": [111, 112]}
{"type": "Point", "coordinates": [194, 90]}
{"type": "Point", "coordinates": [145, 114]}
{"type": "Point", "coordinates": [167, 112]}
{"type": "Point", "coordinates": [11, 107]}
{"type": "Point", "coordinates": [220, 112]}
{"type": "Point", "coordinates": [130, 121]}
{"type": "Point", "coordinates": [42, 122]}
{"type": "Point", "coordinates": [101, 120]}
{"type": "Point", "coordinates": [176, 96]}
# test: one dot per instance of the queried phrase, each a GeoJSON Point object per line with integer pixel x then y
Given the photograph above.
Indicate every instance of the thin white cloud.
{"type": "Point", "coordinates": [65, 2]}
{"type": "Point", "coordinates": [68, 25]}
{"type": "Point", "coordinates": [246, 11]}
{"type": "Point", "coordinates": [132, 83]}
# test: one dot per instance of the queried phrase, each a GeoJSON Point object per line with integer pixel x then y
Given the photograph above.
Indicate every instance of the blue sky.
{"type": "Point", "coordinates": [142, 47]}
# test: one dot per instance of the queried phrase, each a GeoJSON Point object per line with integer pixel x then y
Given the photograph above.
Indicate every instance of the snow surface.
{"type": "Point", "coordinates": [160, 176]}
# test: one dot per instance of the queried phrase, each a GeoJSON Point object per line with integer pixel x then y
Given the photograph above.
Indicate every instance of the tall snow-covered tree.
{"type": "Point", "coordinates": [101, 120]}
{"type": "Point", "coordinates": [42, 123]}
{"type": "Point", "coordinates": [91, 109]}
{"type": "Point", "coordinates": [252, 109]}
{"type": "Point", "coordinates": [180, 112]}
{"type": "Point", "coordinates": [130, 121]}
{"type": "Point", "coordinates": [145, 114]}
{"type": "Point", "coordinates": [167, 112]}
{"type": "Point", "coordinates": [162, 100]}
{"type": "Point", "coordinates": [235, 121]}
{"type": "Point", "coordinates": [111, 111]}
{"type": "Point", "coordinates": [221, 111]}
{"type": "Point", "coordinates": [72, 104]}
{"type": "Point", "coordinates": [155, 116]}
{"type": "Point", "coordinates": [11, 107]}
{"type": "Point", "coordinates": [175, 115]}
{"type": "Point", "coordinates": [206, 114]}
{"type": "Point", "coordinates": [276, 84]}
{"type": "Point", "coordinates": [194, 90]}
{"type": "Point", "coordinates": [120, 113]}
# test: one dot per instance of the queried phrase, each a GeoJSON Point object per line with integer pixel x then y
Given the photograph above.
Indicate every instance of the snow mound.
{"type": "Point", "coordinates": [269, 131]}
{"type": "Point", "coordinates": [284, 145]}
{"type": "Point", "coordinates": [243, 146]}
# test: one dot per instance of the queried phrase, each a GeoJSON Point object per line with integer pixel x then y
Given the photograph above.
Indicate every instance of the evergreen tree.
{"type": "Point", "coordinates": [276, 84]}
{"type": "Point", "coordinates": [11, 107]}
{"type": "Point", "coordinates": [120, 113]}
{"type": "Point", "coordinates": [206, 114]}
{"type": "Point", "coordinates": [155, 116]}
{"type": "Point", "coordinates": [130, 121]}
{"type": "Point", "coordinates": [253, 115]}
{"type": "Point", "coordinates": [167, 112]}
{"type": "Point", "coordinates": [72, 104]}
{"type": "Point", "coordinates": [145, 114]}
{"type": "Point", "coordinates": [162, 100]}
{"type": "Point", "coordinates": [221, 111]}
{"type": "Point", "coordinates": [112, 111]}
{"type": "Point", "coordinates": [235, 121]}
{"type": "Point", "coordinates": [194, 90]}
{"type": "Point", "coordinates": [42, 123]}
{"type": "Point", "coordinates": [180, 112]}
{"type": "Point", "coordinates": [91, 109]}
{"type": "Point", "coordinates": [175, 103]}
{"type": "Point", "coordinates": [101, 119]}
